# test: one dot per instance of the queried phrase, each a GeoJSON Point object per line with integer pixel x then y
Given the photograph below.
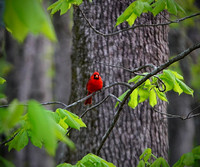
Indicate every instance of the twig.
{"type": "Point", "coordinates": [10, 139]}
{"type": "Point", "coordinates": [45, 103]}
{"type": "Point", "coordinates": [129, 70]}
{"type": "Point", "coordinates": [160, 68]}
{"type": "Point", "coordinates": [94, 106]}
{"type": "Point", "coordinates": [188, 116]}
{"type": "Point", "coordinates": [104, 88]}
{"type": "Point", "coordinates": [134, 26]}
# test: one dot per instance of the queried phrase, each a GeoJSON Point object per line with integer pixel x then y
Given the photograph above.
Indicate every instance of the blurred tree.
{"type": "Point", "coordinates": [182, 134]}
{"type": "Point", "coordinates": [136, 129]}
{"type": "Point", "coordinates": [31, 77]}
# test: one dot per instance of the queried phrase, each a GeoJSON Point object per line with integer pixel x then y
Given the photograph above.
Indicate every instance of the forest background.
{"type": "Point", "coordinates": [36, 67]}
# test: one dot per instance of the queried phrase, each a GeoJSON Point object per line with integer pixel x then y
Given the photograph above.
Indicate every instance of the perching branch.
{"type": "Point", "coordinates": [104, 88]}
{"type": "Point", "coordinates": [134, 26]}
{"type": "Point", "coordinates": [127, 69]}
{"type": "Point", "coordinates": [154, 72]}
{"type": "Point", "coordinates": [94, 106]}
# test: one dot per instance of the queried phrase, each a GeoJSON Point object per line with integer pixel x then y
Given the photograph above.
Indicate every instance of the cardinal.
{"type": "Point", "coordinates": [94, 84]}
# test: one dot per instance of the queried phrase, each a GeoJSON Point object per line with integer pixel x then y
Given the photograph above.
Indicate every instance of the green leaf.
{"type": "Point", "coordinates": [141, 164]}
{"type": "Point", "coordinates": [93, 160]}
{"type": "Point", "coordinates": [22, 17]}
{"type": "Point", "coordinates": [34, 139]}
{"type": "Point", "coordinates": [177, 75]}
{"type": "Point", "coordinates": [133, 102]}
{"type": "Point", "coordinates": [135, 79]}
{"type": "Point", "coordinates": [61, 135]}
{"type": "Point", "coordinates": [121, 97]}
{"type": "Point", "coordinates": [161, 95]}
{"type": "Point", "coordinates": [5, 163]}
{"type": "Point", "coordinates": [160, 162]}
{"type": "Point", "coordinates": [40, 121]}
{"type": "Point", "coordinates": [159, 6]}
{"type": "Point", "coordinates": [15, 111]}
{"type": "Point", "coordinates": [19, 141]}
{"type": "Point", "coordinates": [177, 88]}
{"type": "Point", "coordinates": [171, 7]}
{"type": "Point", "coordinates": [143, 94]}
{"type": "Point", "coordinates": [63, 6]}
{"type": "Point", "coordinates": [71, 119]}
{"type": "Point", "coordinates": [184, 87]}
{"type": "Point", "coordinates": [126, 14]}
{"type": "Point", "coordinates": [196, 152]}
{"type": "Point", "coordinates": [66, 165]}
{"type": "Point", "coordinates": [179, 8]}
{"type": "Point", "coordinates": [188, 159]}
{"type": "Point", "coordinates": [152, 98]}
{"type": "Point", "coordinates": [2, 80]}
{"type": "Point", "coordinates": [145, 152]}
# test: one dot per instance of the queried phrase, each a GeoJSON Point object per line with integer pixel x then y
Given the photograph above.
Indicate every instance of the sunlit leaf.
{"type": "Point", "coordinates": [160, 162]}
{"type": "Point", "coordinates": [186, 89]}
{"type": "Point", "coordinates": [2, 80]}
{"type": "Point", "coordinates": [143, 95]}
{"type": "Point", "coordinates": [152, 98]}
{"type": "Point", "coordinates": [141, 163]}
{"type": "Point", "coordinates": [161, 95]}
{"type": "Point", "coordinates": [133, 102]}
{"type": "Point", "coordinates": [135, 79]}
{"type": "Point", "coordinates": [159, 6]}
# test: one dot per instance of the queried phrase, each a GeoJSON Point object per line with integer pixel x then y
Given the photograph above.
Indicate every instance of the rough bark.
{"type": "Point", "coordinates": [136, 129]}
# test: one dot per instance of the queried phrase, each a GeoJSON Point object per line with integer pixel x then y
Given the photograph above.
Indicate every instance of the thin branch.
{"type": "Point", "coordinates": [188, 116]}
{"type": "Point", "coordinates": [127, 69]}
{"type": "Point", "coordinates": [10, 139]}
{"type": "Point", "coordinates": [94, 106]}
{"type": "Point", "coordinates": [134, 26]}
{"type": "Point", "coordinates": [45, 103]}
{"type": "Point", "coordinates": [160, 68]}
{"type": "Point", "coordinates": [104, 88]}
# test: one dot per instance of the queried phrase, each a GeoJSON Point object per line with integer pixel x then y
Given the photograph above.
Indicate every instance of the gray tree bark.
{"type": "Point", "coordinates": [136, 129]}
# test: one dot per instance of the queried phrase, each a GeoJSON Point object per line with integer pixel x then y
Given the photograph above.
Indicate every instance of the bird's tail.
{"type": "Point", "coordinates": [89, 100]}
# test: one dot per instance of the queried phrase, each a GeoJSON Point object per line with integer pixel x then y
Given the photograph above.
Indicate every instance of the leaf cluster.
{"type": "Point", "coordinates": [146, 159]}
{"type": "Point", "coordinates": [33, 122]}
{"type": "Point", "coordinates": [138, 7]}
{"type": "Point", "coordinates": [156, 87]}
{"type": "Point", "coordinates": [22, 17]}
{"type": "Point", "coordinates": [63, 6]}
{"type": "Point", "coordinates": [89, 160]}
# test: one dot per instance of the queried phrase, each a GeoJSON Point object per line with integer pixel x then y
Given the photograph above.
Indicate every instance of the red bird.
{"type": "Point", "coordinates": [94, 84]}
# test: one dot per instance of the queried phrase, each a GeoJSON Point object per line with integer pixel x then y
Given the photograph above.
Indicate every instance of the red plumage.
{"type": "Point", "coordinates": [94, 84]}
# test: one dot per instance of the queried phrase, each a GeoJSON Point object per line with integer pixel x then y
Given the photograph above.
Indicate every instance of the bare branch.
{"type": "Point", "coordinates": [134, 26]}
{"type": "Point", "coordinates": [160, 68]}
{"type": "Point", "coordinates": [94, 106]}
{"type": "Point", "coordinates": [188, 116]}
{"type": "Point", "coordinates": [104, 88]}
{"type": "Point", "coordinates": [129, 70]}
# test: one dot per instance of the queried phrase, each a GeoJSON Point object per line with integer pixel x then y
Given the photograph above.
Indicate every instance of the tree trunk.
{"type": "Point", "coordinates": [136, 129]}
